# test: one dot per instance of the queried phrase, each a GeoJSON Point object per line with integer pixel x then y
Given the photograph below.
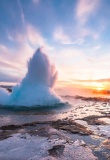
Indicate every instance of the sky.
{"type": "Point", "coordinates": [74, 33]}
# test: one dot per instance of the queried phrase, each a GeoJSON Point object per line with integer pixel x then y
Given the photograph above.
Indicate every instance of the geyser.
{"type": "Point", "coordinates": [36, 87]}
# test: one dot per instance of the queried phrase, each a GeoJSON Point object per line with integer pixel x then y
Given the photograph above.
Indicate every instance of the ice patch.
{"type": "Point", "coordinates": [36, 148]}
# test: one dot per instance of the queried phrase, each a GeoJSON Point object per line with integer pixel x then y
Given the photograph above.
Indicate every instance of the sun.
{"type": "Point", "coordinates": [98, 86]}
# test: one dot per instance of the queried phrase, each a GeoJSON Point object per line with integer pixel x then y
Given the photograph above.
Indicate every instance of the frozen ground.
{"type": "Point", "coordinates": [80, 131]}
{"type": "Point", "coordinates": [26, 147]}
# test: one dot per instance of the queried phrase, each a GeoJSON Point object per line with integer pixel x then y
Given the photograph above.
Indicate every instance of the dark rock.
{"type": "Point", "coordinates": [13, 127]}
{"type": "Point", "coordinates": [72, 127]}
{"type": "Point", "coordinates": [9, 90]}
{"type": "Point", "coordinates": [43, 132]}
{"type": "Point", "coordinates": [5, 135]}
{"type": "Point", "coordinates": [94, 99]}
{"type": "Point", "coordinates": [10, 127]}
{"type": "Point", "coordinates": [94, 120]}
{"type": "Point", "coordinates": [56, 151]}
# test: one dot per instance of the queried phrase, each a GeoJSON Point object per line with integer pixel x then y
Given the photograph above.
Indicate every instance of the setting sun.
{"type": "Point", "coordinates": [99, 86]}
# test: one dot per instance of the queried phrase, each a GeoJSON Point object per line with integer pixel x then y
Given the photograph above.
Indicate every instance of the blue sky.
{"type": "Point", "coordinates": [75, 33]}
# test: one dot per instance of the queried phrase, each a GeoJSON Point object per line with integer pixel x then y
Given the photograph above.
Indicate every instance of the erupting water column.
{"type": "Point", "coordinates": [36, 87]}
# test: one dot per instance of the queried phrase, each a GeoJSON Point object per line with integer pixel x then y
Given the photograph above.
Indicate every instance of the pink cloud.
{"type": "Point", "coordinates": [84, 9]}
{"type": "Point", "coordinates": [14, 62]}
{"type": "Point", "coordinates": [34, 36]}
{"type": "Point", "coordinates": [61, 37]}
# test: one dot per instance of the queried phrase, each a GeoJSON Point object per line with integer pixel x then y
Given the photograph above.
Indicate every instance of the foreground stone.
{"type": "Point", "coordinates": [56, 151]}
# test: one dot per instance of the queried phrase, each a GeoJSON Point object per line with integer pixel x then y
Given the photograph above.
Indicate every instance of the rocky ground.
{"type": "Point", "coordinates": [80, 131]}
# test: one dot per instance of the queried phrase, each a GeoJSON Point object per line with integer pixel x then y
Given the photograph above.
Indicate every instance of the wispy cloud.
{"type": "Point", "coordinates": [85, 8]}
{"type": "Point", "coordinates": [36, 1]}
{"type": "Point", "coordinates": [61, 37]}
{"type": "Point", "coordinates": [84, 31]}
{"type": "Point", "coordinates": [8, 78]}
{"type": "Point", "coordinates": [26, 42]}
{"type": "Point", "coordinates": [70, 53]}
{"type": "Point", "coordinates": [97, 47]}
{"type": "Point", "coordinates": [19, 56]}
{"type": "Point", "coordinates": [22, 14]}
{"type": "Point", "coordinates": [34, 36]}
{"type": "Point", "coordinates": [96, 80]}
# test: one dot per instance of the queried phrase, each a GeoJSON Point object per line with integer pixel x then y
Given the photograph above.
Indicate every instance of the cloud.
{"type": "Point", "coordinates": [84, 31]}
{"type": "Point", "coordinates": [84, 9]}
{"type": "Point", "coordinates": [70, 53]}
{"type": "Point", "coordinates": [96, 80]}
{"type": "Point", "coordinates": [67, 61]}
{"type": "Point", "coordinates": [34, 36]}
{"type": "Point", "coordinates": [22, 13]}
{"type": "Point", "coordinates": [11, 68]}
{"type": "Point", "coordinates": [36, 1]}
{"type": "Point", "coordinates": [8, 64]}
{"type": "Point", "coordinates": [97, 47]}
{"type": "Point", "coordinates": [60, 36]}
{"type": "Point", "coordinates": [78, 64]}
{"type": "Point", "coordinates": [8, 78]}
{"type": "Point", "coordinates": [13, 62]}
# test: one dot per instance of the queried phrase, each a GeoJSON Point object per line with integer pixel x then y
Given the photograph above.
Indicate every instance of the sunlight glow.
{"type": "Point", "coordinates": [99, 86]}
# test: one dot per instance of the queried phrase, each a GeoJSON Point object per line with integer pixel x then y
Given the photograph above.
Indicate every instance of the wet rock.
{"type": "Point", "coordinates": [94, 120]}
{"type": "Point", "coordinates": [72, 127]}
{"type": "Point", "coordinates": [10, 127]}
{"type": "Point", "coordinates": [13, 127]}
{"type": "Point", "coordinates": [5, 135]}
{"type": "Point", "coordinates": [43, 132]}
{"type": "Point", "coordinates": [56, 151]}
